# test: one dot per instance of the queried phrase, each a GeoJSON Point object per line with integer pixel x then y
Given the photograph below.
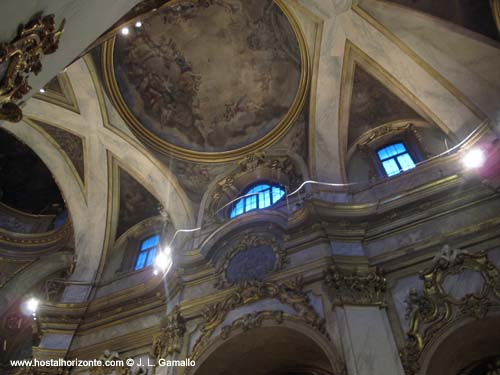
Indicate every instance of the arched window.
{"type": "Point", "coordinates": [395, 158]}
{"type": "Point", "coordinates": [147, 252]}
{"type": "Point", "coordinates": [256, 198]}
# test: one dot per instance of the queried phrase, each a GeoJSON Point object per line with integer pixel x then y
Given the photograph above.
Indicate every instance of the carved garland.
{"type": "Point", "coordinates": [20, 57]}
{"type": "Point", "coordinates": [356, 288]}
{"type": "Point", "coordinates": [289, 293]}
{"type": "Point", "coordinates": [249, 241]}
{"type": "Point", "coordinates": [434, 309]}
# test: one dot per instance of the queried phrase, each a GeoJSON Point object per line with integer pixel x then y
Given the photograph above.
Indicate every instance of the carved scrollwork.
{"type": "Point", "coordinates": [21, 57]}
{"type": "Point", "coordinates": [252, 320]}
{"type": "Point", "coordinates": [355, 288]}
{"type": "Point", "coordinates": [244, 247]}
{"type": "Point", "coordinates": [434, 308]}
{"type": "Point", "coordinates": [289, 293]}
{"type": "Point", "coordinates": [384, 130]}
{"type": "Point", "coordinates": [172, 330]}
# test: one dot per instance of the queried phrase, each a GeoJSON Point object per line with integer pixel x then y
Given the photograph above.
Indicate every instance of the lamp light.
{"type": "Point", "coordinates": [163, 260]}
{"type": "Point", "coordinates": [473, 159]}
{"type": "Point", "coordinates": [138, 24]}
{"type": "Point", "coordinates": [125, 30]}
{"type": "Point", "coordinates": [32, 306]}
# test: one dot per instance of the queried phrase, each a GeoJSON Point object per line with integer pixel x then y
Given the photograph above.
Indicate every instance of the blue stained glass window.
{"type": "Point", "coordinates": [395, 158]}
{"type": "Point", "coordinates": [256, 198]}
{"type": "Point", "coordinates": [147, 252]}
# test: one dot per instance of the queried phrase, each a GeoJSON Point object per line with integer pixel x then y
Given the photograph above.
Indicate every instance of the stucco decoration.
{"type": "Point", "coordinates": [208, 76]}
{"type": "Point", "coordinates": [250, 257]}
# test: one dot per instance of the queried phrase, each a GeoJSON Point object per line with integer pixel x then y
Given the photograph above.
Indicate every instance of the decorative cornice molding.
{"type": "Point", "coordinates": [434, 309]}
{"type": "Point", "coordinates": [22, 57]}
{"type": "Point", "coordinates": [355, 288]}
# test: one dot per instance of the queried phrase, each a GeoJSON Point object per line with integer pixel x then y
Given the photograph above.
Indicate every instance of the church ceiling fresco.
{"type": "Point", "coordinates": [373, 104]}
{"type": "Point", "coordinates": [136, 203]}
{"type": "Point", "coordinates": [208, 76]}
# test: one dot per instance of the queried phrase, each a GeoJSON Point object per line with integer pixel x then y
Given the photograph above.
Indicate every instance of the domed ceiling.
{"type": "Point", "coordinates": [201, 78]}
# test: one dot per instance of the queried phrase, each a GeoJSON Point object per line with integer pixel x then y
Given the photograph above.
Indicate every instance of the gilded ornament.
{"type": "Point", "coordinates": [289, 293]}
{"type": "Point", "coordinates": [433, 309]}
{"type": "Point", "coordinates": [21, 57]}
{"type": "Point", "coordinates": [170, 339]}
{"type": "Point", "coordinates": [356, 288]}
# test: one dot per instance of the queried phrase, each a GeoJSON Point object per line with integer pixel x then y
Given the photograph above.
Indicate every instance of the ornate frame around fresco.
{"type": "Point", "coordinates": [170, 149]}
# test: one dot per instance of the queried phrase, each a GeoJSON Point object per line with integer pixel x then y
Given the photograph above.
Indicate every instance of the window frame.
{"type": "Point", "coordinates": [407, 138]}
{"type": "Point", "coordinates": [257, 208]}
{"type": "Point", "coordinates": [394, 157]}
{"type": "Point", "coordinates": [148, 250]}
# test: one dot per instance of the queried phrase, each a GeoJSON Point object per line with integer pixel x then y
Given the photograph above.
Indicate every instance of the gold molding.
{"type": "Point", "coordinates": [495, 9]}
{"type": "Point", "coordinates": [170, 149]}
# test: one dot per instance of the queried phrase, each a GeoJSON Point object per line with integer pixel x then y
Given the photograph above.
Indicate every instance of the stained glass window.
{"type": "Point", "coordinates": [147, 252]}
{"type": "Point", "coordinates": [395, 158]}
{"type": "Point", "coordinates": [257, 197]}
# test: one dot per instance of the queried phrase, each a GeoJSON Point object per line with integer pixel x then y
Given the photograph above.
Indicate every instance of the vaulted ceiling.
{"type": "Point", "coordinates": [189, 100]}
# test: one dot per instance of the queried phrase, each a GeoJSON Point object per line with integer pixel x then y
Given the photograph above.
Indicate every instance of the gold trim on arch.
{"type": "Point", "coordinates": [495, 9]}
{"type": "Point", "coordinates": [170, 149]}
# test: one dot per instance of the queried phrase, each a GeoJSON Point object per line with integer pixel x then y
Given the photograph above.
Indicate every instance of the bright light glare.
{"type": "Point", "coordinates": [138, 24]}
{"type": "Point", "coordinates": [42, 90]}
{"type": "Point", "coordinates": [163, 260]}
{"type": "Point", "coordinates": [32, 305]}
{"type": "Point", "coordinates": [473, 159]}
{"type": "Point", "coordinates": [125, 31]}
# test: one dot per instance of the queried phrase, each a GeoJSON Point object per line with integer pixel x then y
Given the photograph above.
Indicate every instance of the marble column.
{"type": "Point", "coordinates": [368, 342]}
